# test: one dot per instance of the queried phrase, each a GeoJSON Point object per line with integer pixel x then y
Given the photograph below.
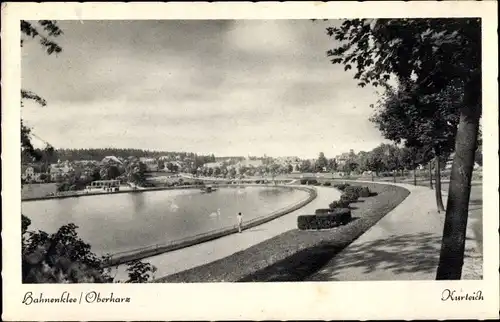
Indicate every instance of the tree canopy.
{"type": "Point", "coordinates": [434, 52]}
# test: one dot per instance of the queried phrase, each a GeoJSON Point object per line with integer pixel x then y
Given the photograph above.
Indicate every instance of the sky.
{"type": "Point", "coordinates": [228, 87]}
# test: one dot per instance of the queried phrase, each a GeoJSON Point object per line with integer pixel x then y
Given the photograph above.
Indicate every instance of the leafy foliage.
{"type": "Point", "coordinates": [44, 31]}
{"type": "Point", "coordinates": [321, 162]}
{"type": "Point", "coordinates": [63, 257]}
{"type": "Point", "coordinates": [140, 272]}
{"type": "Point", "coordinates": [433, 51]}
{"type": "Point", "coordinates": [422, 121]}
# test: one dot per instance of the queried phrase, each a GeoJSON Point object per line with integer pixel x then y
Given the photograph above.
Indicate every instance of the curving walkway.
{"type": "Point", "coordinates": [196, 255]}
{"type": "Point", "coordinates": [404, 245]}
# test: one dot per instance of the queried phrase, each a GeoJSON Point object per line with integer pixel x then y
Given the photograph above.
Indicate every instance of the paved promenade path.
{"type": "Point", "coordinates": [196, 255]}
{"type": "Point", "coordinates": [404, 245]}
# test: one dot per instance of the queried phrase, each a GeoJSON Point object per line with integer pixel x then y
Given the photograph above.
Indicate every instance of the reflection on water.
{"type": "Point", "coordinates": [270, 192]}
{"type": "Point", "coordinates": [138, 201]}
{"type": "Point", "coordinates": [112, 223]}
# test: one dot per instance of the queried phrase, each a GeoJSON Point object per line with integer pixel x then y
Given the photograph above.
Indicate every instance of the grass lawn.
{"type": "Point", "coordinates": [294, 255]}
{"type": "Point", "coordinates": [37, 190]}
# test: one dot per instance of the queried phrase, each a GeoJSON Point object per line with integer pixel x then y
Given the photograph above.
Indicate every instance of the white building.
{"type": "Point", "coordinates": [30, 173]}
{"type": "Point", "coordinates": [60, 168]}
{"type": "Point", "coordinates": [342, 159]}
{"type": "Point", "coordinates": [151, 164]}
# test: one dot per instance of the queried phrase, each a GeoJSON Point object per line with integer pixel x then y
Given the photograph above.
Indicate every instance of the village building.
{"type": "Point", "coordinates": [151, 164]}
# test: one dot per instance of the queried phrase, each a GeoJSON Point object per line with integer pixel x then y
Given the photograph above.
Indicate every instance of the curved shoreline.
{"type": "Point", "coordinates": [112, 193]}
{"type": "Point", "coordinates": [153, 250]}
{"type": "Point", "coordinates": [78, 195]}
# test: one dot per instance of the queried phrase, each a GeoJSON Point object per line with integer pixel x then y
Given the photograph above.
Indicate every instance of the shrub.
{"type": "Point", "coordinates": [338, 217]}
{"type": "Point", "coordinates": [349, 197]}
{"type": "Point", "coordinates": [341, 186]}
{"type": "Point", "coordinates": [327, 184]}
{"type": "Point", "coordinates": [353, 189]}
{"type": "Point", "coordinates": [365, 192]}
{"type": "Point", "coordinates": [63, 257]}
{"type": "Point", "coordinates": [339, 204]}
{"type": "Point", "coordinates": [312, 181]}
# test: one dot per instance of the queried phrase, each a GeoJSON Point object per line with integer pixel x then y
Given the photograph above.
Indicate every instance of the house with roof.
{"type": "Point", "coordinates": [111, 160]}
{"type": "Point", "coordinates": [164, 158]}
{"type": "Point", "coordinates": [342, 158]}
{"type": "Point", "coordinates": [151, 164]}
{"type": "Point", "coordinates": [31, 173]}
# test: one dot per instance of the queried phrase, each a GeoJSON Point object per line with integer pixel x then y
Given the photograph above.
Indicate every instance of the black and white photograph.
{"type": "Point", "coordinates": [228, 150]}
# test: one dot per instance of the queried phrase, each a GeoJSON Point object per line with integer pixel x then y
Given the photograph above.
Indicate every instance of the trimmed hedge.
{"type": "Point", "coordinates": [353, 189]}
{"type": "Point", "coordinates": [339, 204]}
{"type": "Point", "coordinates": [358, 190]}
{"type": "Point", "coordinates": [341, 186]}
{"type": "Point", "coordinates": [322, 211]}
{"type": "Point", "coordinates": [336, 218]}
{"type": "Point", "coordinates": [349, 197]}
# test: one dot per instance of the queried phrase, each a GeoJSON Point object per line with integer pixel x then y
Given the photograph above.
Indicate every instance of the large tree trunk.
{"type": "Point", "coordinates": [455, 226]}
{"type": "Point", "coordinates": [439, 195]}
{"type": "Point", "coordinates": [394, 176]}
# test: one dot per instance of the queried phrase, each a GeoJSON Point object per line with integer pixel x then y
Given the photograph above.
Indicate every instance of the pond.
{"type": "Point", "coordinates": [119, 222]}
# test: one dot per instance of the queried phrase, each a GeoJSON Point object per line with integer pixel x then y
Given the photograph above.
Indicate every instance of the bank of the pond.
{"type": "Point", "coordinates": [78, 194]}
{"type": "Point", "coordinates": [153, 250]}
{"type": "Point", "coordinates": [295, 254]}
{"type": "Point", "coordinates": [100, 193]}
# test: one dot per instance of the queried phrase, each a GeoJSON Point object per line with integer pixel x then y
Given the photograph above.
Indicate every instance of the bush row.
{"type": "Point", "coordinates": [337, 213]}
{"type": "Point", "coordinates": [325, 220]}
{"type": "Point", "coordinates": [339, 204]}
{"type": "Point", "coordinates": [358, 190]}
{"type": "Point", "coordinates": [341, 186]}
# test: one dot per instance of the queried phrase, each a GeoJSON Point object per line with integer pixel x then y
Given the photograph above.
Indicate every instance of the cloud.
{"type": "Point", "coordinates": [228, 87]}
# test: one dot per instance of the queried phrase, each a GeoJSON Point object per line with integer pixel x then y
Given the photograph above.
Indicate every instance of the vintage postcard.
{"type": "Point", "coordinates": [228, 161]}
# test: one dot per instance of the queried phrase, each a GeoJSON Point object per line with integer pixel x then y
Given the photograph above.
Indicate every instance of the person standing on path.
{"type": "Point", "coordinates": [240, 221]}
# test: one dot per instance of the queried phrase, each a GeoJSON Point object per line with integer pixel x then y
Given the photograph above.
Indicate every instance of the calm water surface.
{"type": "Point", "coordinates": [113, 223]}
